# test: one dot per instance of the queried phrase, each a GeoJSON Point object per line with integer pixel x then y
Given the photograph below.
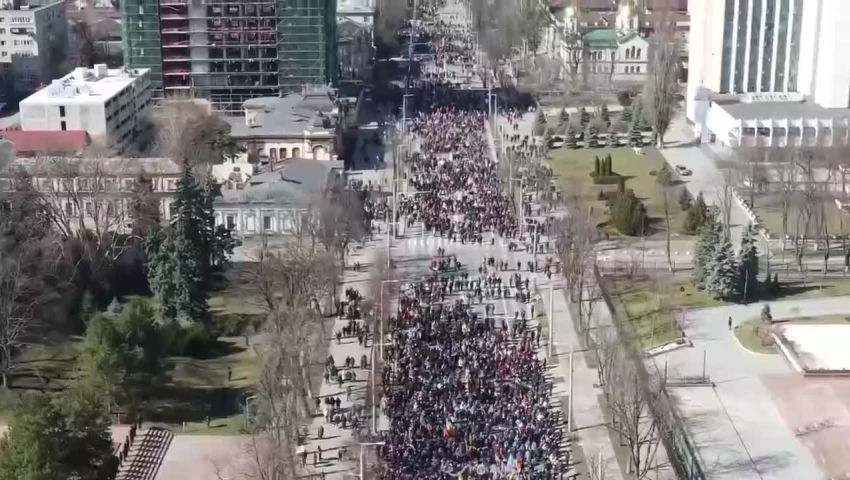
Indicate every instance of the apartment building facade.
{"type": "Point", "coordinates": [33, 37]}
{"type": "Point", "coordinates": [228, 51]}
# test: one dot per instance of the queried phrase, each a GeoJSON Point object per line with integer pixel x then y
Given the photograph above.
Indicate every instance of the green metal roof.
{"type": "Point", "coordinates": [606, 38]}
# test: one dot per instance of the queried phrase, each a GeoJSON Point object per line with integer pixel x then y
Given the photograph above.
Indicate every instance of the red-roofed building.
{"type": "Point", "coordinates": [34, 142]}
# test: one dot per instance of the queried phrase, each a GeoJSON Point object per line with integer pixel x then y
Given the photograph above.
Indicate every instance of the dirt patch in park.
{"type": "Point", "coordinates": [817, 410]}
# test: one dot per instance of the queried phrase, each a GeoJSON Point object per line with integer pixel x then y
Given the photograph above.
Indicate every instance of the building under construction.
{"type": "Point", "coordinates": [228, 51]}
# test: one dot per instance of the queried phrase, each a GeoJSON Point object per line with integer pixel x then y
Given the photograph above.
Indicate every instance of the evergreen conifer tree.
{"type": "Point", "coordinates": [710, 234]}
{"type": "Point", "coordinates": [748, 265]}
{"type": "Point", "coordinates": [591, 137]}
{"type": "Point", "coordinates": [722, 270]}
{"type": "Point", "coordinates": [686, 201]}
{"type": "Point", "coordinates": [584, 117]}
{"type": "Point", "coordinates": [626, 114]}
{"type": "Point", "coordinates": [570, 138]}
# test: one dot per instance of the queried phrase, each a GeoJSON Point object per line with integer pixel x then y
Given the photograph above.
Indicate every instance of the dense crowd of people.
{"type": "Point", "coordinates": [460, 197]}
{"type": "Point", "coordinates": [465, 393]}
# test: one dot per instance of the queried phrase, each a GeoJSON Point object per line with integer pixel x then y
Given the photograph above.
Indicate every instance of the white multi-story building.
{"type": "Point", "coordinates": [32, 39]}
{"type": "Point", "coordinates": [790, 48]}
{"type": "Point", "coordinates": [109, 104]}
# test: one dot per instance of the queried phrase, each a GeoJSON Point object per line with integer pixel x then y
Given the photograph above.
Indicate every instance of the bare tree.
{"type": "Point", "coordinates": [663, 81]}
{"type": "Point", "coordinates": [82, 200]}
{"type": "Point", "coordinates": [575, 52]}
{"type": "Point", "coordinates": [726, 199]}
{"type": "Point", "coordinates": [608, 354]}
{"type": "Point", "coordinates": [630, 405]}
{"type": "Point", "coordinates": [665, 193]}
{"type": "Point", "coordinates": [188, 129]}
{"type": "Point", "coordinates": [17, 308]}
{"type": "Point", "coordinates": [785, 171]}
{"type": "Point", "coordinates": [289, 282]}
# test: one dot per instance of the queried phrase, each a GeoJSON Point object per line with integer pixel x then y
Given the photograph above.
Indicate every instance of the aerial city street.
{"type": "Point", "coordinates": [424, 239]}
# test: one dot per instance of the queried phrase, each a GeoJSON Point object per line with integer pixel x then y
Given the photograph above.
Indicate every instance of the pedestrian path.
{"type": "Point", "coordinates": [335, 454]}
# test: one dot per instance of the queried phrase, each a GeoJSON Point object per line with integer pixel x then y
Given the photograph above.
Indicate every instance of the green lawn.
{"type": "Point", "coordinates": [755, 336]}
{"type": "Point", "coordinates": [815, 287]}
{"type": "Point", "coordinates": [195, 387]}
{"type": "Point", "coordinates": [769, 208]}
{"type": "Point", "coordinates": [573, 168]}
{"type": "Point", "coordinates": [653, 308]}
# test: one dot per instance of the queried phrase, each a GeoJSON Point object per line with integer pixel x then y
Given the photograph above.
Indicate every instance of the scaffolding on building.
{"type": "Point", "coordinates": [140, 39]}
{"type": "Point", "coordinates": [306, 43]}
{"type": "Point", "coordinates": [228, 51]}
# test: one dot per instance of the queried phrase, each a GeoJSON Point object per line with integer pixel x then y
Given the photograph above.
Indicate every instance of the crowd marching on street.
{"type": "Point", "coordinates": [466, 392]}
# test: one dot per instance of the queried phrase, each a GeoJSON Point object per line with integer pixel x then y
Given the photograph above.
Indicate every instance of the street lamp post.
{"type": "Point", "coordinates": [374, 359]}
{"type": "Point", "coordinates": [362, 465]}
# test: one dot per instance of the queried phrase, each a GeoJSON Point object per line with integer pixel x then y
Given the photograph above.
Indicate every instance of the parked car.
{"type": "Point", "coordinates": [683, 170]}
{"type": "Point", "coordinates": [557, 141]}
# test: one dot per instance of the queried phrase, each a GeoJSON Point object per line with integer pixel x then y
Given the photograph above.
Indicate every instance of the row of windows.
{"type": "Point", "coordinates": [604, 68]}
{"type": "Point", "coordinates": [84, 184]}
{"type": "Point", "coordinates": [16, 19]}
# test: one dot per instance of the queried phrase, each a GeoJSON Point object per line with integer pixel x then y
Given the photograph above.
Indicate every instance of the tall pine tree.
{"type": "Point", "coordinates": [710, 234]}
{"type": "Point", "coordinates": [722, 270]}
{"type": "Point", "coordinates": [748, 266]}
{"type": "Point", "coordinates": [175, 278]}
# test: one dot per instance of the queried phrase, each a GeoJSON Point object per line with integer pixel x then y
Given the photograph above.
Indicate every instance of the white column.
{"type": "Point", "coordinates": [734, 55]}
{"type": "Point", "coordinates": [792, 10]}
{"type": "Point", "coordinates": [748, 55]}
{"type": "Point", "coordinates": [776, 19]}
{"type": "Point", "coordinates": [762, 39]}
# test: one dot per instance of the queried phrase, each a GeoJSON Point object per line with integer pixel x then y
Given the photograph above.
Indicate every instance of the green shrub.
{"type": "Point", "coordinates": [607, 179]}
{"type": "Point", "coordinates": [628, 214]}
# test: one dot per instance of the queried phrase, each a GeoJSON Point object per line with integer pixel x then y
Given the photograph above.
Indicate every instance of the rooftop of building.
{"type": "Point", "coordinates": [86, 85]}
{"type": "Point", "coordinates": [8, 7]}
{"type": "Point", "coordinates": [297, 182]}
{"type": "Point", "coordinates": [749, 106]}
{"type": "Point", "coordinates": [69, 142]}
{"type": "Point", "coordinates": [116, 166]}
{"type": "Point", "coordinates": [607, 38]}
{"type": "Point", "coordinates": [292, 115]}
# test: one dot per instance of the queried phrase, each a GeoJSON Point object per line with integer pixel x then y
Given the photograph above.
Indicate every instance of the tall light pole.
{"type": "Point", "coordinates": [362, 465]}
{"type": "Point", "coordinates": [551, 319]}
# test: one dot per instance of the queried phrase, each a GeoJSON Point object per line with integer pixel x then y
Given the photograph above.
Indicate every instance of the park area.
{"type": "Point", "coordinates": [212, 377]}
{"type": "Point", "coordinates": [653, 308]}
{"type": "Point", "coordinates": [769, 208]}
{"type": "Point", "coordinates": [573, 168]}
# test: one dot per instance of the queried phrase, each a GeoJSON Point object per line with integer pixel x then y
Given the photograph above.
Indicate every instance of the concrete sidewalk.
{"type": "Point", "coordinates": [335, 438]}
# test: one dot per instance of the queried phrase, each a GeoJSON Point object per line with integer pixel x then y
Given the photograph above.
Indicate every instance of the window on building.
{"type": "Point", "coordinates": [267, 222]}
{"type": "Point", "coordinates": [62, 111]}
{"type": "Point", "coordinates": [63, 125]}
{"type": "Point", "coordinates": [296, 153]}
{"type": "Point", "coordinates": [230, 221]}
{"type": "Point", "coordinates": [282, 153]}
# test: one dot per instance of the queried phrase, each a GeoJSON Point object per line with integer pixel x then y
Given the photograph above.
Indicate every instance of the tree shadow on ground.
{"type": "Point", "coordinates": [176, 404]}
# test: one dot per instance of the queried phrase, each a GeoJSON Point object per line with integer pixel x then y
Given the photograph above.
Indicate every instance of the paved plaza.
{"type": "Point", "coordinates": [736, 424]}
